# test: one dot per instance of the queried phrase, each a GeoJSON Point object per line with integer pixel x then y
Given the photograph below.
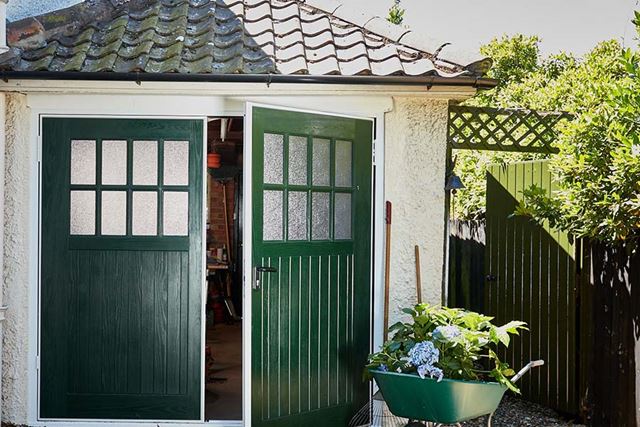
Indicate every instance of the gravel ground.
{"type": "Point", "coordinates": [514, 412]}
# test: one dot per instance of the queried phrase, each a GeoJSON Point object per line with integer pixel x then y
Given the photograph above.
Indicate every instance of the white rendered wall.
{"type": "Point", "coordinates": [16, 263]}
{"type": "Point", "coordinates": [415, 164]}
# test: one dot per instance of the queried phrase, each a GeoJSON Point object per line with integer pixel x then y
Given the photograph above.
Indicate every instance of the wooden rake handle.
{"type": "Point", "coordinates": [387, 265]}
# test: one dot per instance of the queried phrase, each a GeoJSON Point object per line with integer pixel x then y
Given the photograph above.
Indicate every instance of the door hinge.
{"type": "Point", "coordinates": [37, 363]}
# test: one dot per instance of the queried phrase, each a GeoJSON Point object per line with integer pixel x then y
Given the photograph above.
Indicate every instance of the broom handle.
{"type": "Point", "coordinates": [387, 264]}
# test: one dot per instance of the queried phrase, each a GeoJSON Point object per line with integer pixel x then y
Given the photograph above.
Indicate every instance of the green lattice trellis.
{"type": "Point", "coordinates": [481, 128]}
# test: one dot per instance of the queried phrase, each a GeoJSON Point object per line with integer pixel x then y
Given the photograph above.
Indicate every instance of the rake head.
{"type": "Point", "coordinates": [376, 413]}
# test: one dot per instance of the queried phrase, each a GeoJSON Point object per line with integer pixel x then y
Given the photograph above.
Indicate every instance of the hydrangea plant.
{"type": "Point", "coordinates": [443, 342]}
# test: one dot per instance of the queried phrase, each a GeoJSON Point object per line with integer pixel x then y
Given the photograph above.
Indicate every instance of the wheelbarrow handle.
{"type": "Point", "coordinates": [526, 368]}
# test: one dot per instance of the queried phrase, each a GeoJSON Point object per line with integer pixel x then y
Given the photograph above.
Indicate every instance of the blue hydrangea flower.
{"type": "Point", "coordinates": [430, 371]}
{"type": "Point", "coordinates": [383, 368]}
{"type": "Point", "coordinates": [424, 353]}
{"type": "Point", "coordinates": [446, 333]}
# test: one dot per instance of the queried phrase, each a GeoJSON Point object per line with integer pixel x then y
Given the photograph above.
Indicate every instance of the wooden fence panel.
{"type": "Point", "coordinates": [531, 276]}
{"type": "Point", "coordinates": [610, 335]}
{"type": "Point", "coordinates": [581, 300]}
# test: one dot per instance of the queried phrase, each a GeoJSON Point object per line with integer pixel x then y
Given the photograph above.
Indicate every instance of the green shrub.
{"type": "Point", "coordinates": [450, 343]}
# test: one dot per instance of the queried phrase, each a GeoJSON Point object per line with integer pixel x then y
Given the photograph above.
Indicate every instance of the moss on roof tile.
{"type": "Point", "coordinates": [95, 65]}
{"type": "Point", "coordinates": [166, 65]}
{"type": "Point", "coordinates": [165, 53]}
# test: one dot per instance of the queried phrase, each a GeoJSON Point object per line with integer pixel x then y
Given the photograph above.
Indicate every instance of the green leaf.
{"type": "Point", "coordinates": [508, 372]}
{"type": "Point", "coordinates": [499, 335]}
{"type": "Point", "coordinates": [513, 326]}
{"type": "Point", "coordinates": [394, 346]}
{"type": "Point", "coordinates": [396, 326]}
{"type": "Point", "coordinates": [409, 311]}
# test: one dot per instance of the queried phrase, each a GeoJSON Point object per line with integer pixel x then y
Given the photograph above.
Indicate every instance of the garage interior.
{"type": "Point", "coordinates": [223, 351]}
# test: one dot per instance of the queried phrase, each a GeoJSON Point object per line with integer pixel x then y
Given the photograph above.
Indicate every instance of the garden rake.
{"type": "Point", "coordinates": [376, 414]}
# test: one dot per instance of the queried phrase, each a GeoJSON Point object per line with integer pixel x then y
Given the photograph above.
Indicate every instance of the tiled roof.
{"type": "Point", "coordinates": [314, 37]}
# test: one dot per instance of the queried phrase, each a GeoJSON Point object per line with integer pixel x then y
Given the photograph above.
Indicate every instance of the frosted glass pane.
{"type": "Point", "coordinates": [273, 158]}
{"type": "Point", "coordinates": [114, 213]}
{"type": "Point", "coordinates": [144, 220]}
{"type": "Point", "coordinates": [342, 206]}
{"type": "Point", "coordinates": [272, 219]}
{"type": "Point", "coordinates": [176, 163]}
{"type": "Point", "coordinates": [321, 161]}
{"type": "Point", "coordinates": [320, 216]}
{"type": "Point", "coordinates": [83, 213]}
{"type": "Point", "coordinates": [175, 216]}
{"type": "Point", "coordinates": [114, 162]}
{"type": "Point", "coordinates": [297, 160]}
{"type": "Point", "coordinates": [343, 163]}
{"type": "Point", "coordinates": [145, 162]}
{"type": "Point", "coordinates": [83, 162]}
{"type": "Point", "coordinates": [297, 216]}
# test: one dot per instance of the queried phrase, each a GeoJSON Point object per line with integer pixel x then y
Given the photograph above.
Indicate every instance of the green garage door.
{"type": "Point", "coordinates": [312, 267]}
{"type": "Point", "coordinates": [121, 269]}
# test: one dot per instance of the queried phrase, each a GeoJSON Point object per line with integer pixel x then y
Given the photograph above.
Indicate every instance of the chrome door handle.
{"type": "Point", "coordinates": [257, 275]}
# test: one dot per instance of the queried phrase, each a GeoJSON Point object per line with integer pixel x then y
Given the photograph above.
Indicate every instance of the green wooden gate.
{"type": "Point", "coordinates": [121, 269]}
{"type": "Point", "coordinates": [531, 276]}
{"type": "Point", "coordinates": [312, 277]}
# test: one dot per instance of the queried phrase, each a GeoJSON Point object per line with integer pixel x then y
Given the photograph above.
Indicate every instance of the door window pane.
{"type": "Point", "coordinates": [175, 216]}
{"type": "Point", "coordinates": [145, 213]}
{"type": "Point", "coordinates": [321, 162]}
{"type": "Point", "coordinates": [343, 163]}
{"type": "Point", "coordinates": [272, 228]}
{"type": "Point", "coordinates": [320, 216]}
{"type": "Point", "coordinates": [83, 162]}
{"type": "Point", "coordinates": [273, 158]}
{"type": "Point", "coordinates": [145, 162]}
{"type": "Point", "coordinates": [176, 163]}
{"type": "Point", "coordinates": [342, 216]}
{"type": "Point", "coordinates": [297, 216]}
{"type": "Point", "coordinates": [297, 160]}
{"type": "Point", "coordinates": [83, 213]}
{"type": "Point", "coordinates": [114, 213]}
{"type": "Point", "coordinates": [114, 162]}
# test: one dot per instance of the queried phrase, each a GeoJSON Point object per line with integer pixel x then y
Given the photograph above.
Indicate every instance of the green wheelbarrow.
{"type": "Point", "coordinates": [441, 402]}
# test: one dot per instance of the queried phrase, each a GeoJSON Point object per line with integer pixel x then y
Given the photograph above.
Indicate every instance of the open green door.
{"type": "Point", "coordinates": [312, 180]}
{"type": "Point", "coordinates": [121, 269]}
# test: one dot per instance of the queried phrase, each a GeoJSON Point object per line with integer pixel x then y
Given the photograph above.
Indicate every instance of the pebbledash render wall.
{"type": "Point", "coordinates": [16, 263]}
{"type": "Point", "coordinates": [415, 169]}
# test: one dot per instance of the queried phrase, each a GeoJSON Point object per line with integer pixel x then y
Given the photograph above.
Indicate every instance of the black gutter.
{"type": "Point", "coordinates": [428, 81]}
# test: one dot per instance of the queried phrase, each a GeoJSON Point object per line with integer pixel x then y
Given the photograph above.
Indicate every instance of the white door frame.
{"type": "Point", "coordinates": [84, 105]}
{"type": "Point", "coordinates": [376, 234]}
